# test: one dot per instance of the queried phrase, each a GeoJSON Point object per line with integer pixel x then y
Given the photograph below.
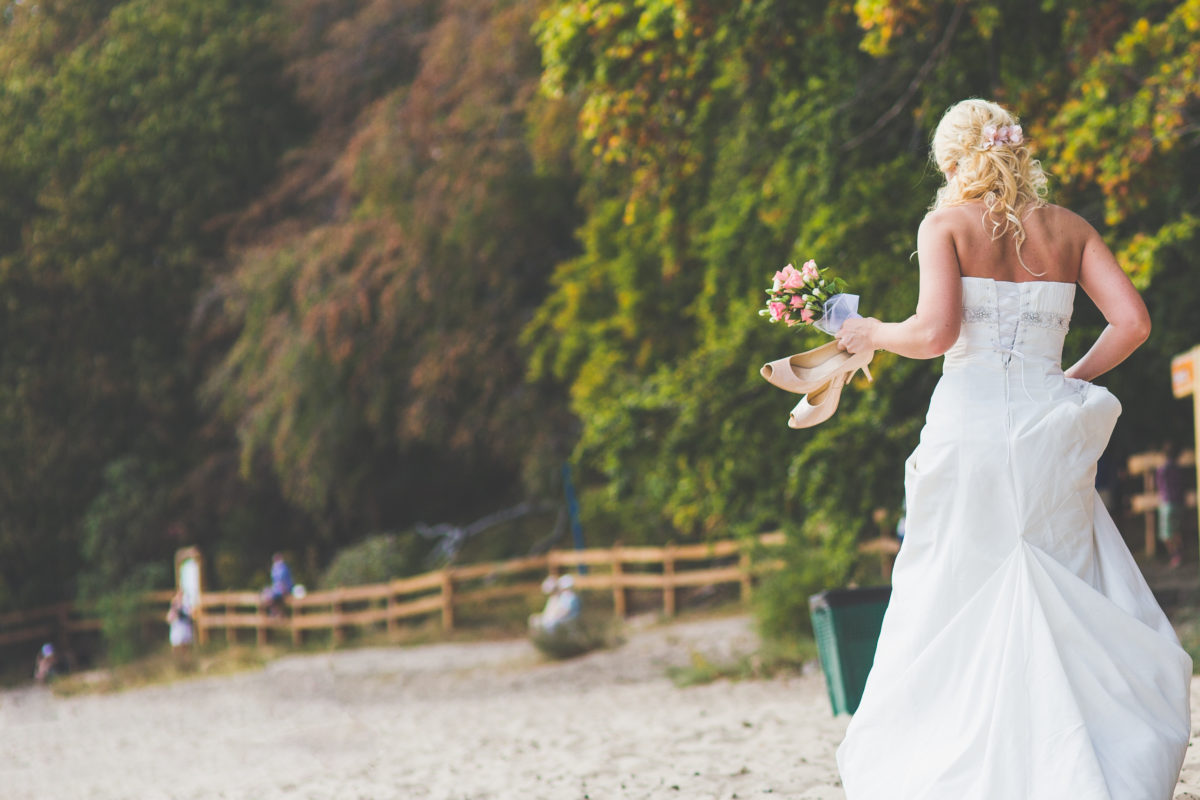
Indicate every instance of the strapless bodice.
{"type": "Point", "coordinates": [1002, 320]}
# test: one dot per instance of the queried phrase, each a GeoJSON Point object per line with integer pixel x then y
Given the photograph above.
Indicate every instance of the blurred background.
{"type": "Point", "coordinates": [316, 275]}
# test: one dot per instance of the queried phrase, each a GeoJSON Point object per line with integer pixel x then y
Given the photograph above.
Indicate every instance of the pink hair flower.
{"type": "Point", "coordinates": [1005, 134]}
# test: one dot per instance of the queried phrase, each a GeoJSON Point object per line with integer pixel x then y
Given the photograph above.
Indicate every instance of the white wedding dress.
{"type": "Point", "coordinates": [1022, 655]}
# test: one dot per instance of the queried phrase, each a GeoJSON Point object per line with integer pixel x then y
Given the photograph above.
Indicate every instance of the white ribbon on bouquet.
{"type": "Point", "coordinates": [835, 311]}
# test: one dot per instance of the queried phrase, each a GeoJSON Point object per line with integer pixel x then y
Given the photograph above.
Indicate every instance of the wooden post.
{"type": "Point", "coordinates": [669, 580]}
{"type": "Point", "coordinates": [260, 638]}
{"type": "Point", "coordinates": [447, 600]}
{"type": "Point", "coordinates": [617, 583]}
{"type": "Point", "coordinates": [201, 625]}
{"type": "Point", "coordinates": [746, 585]}
{"type": "Point", "coordinates": [390, 605]}
{"type": "Point", "coordinates": [339, 635]}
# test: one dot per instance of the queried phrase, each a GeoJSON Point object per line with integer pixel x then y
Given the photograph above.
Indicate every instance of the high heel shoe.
{"type": "Point", "coordinates": [807, 371]}
{"type": "Point", "coordinates": [819, 405]}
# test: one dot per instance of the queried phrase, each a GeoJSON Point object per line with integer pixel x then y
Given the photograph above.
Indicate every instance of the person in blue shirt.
{"type": "Point", "coordinates": [281, 585]}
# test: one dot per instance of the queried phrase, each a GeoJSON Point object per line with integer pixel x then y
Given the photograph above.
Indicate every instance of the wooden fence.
{"type": "Point", "coordinates": [1143, 465]}
{"type": "Point", "coordinates": [438, 594]}
{"type": "Point", "coordinates": [43, 624]}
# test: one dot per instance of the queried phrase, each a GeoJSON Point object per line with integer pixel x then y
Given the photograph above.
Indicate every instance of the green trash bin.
{"type": "Point", "coordinates": [846, 624]}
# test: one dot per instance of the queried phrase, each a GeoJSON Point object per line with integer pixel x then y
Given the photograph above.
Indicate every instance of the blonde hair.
{"type": "Point", "coordinates": [1003, 174]}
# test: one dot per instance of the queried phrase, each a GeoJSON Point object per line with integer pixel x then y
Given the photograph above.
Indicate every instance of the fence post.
{"type": "Point", "coordinates": [1151, 534]}
{"type": "Point", "coordinates": [669, 580]}
{"type": "Point", "coordinates": [390, 606]}
{"type": "Point", "coordinates": [339, 635]}
{"type": "Point", "coordinates": [201, 625]}
{"type": "Point", "coordinates": [447, 600]}
{"type": "Point", "coordinates": [260, 634]}
{"type": "Point", "coordinates": [744, 566]}
{"type": "Point", "coordinates": [617, 583]}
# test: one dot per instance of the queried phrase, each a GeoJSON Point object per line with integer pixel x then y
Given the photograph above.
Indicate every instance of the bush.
{"type": "Point", "coordinates": [817, 556]}
{"type": "Point", "coordinates": [593, 630]}
{"type": "Point", "coordinates": [124, 617]}
{"type": "Point", "coordinates": [376, 559]}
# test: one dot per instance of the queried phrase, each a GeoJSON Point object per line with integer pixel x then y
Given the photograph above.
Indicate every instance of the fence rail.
{"type": "Point", "coordinates": [438, 594]}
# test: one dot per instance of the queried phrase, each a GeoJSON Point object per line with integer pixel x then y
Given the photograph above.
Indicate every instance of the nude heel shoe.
{"type": "Point", "coordinates": [818, 406]}
{"type": "Point", "coordinates": [808, 371]}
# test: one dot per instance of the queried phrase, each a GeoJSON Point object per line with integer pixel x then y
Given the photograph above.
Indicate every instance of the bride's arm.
{"type": "Point", "coordinates": [1114, 294]}
{"type": "Point", "coordinates": [934, 327]}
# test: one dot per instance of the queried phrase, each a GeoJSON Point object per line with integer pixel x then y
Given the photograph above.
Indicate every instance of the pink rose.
{"type": "Point", "coordinates": [809, 272]}
{"type": "Point", "coordinates": [797, 301]}
{"type": "Point", "coordinates": [777, 310]}
{"type": "Point", "coordinates": [806, 315]}
{"type": "Point", "coordinates": [794, 279]}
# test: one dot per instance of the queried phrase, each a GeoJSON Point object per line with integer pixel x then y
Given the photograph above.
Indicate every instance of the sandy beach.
{"type": "Point", "coordinates": [480, 721]}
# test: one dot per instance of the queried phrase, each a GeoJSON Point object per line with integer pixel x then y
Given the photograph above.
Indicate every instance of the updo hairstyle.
{"type": "Point", "coordinates": [980, 148]}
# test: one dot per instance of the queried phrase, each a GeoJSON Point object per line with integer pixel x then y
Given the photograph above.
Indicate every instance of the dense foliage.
{"type": "Point", "coordinates": [283, 274]}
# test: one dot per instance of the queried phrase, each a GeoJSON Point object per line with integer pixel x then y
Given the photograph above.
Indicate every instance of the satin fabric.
{"type": "Point", "coordinates": [1022, 655]}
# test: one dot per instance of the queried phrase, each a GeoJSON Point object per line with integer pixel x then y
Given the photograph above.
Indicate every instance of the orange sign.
{"type": "Point", "coordinates": [1183, 373]}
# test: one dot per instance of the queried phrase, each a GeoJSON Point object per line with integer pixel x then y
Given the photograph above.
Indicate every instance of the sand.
{"type": "Point", "coordinates": [480, 721]}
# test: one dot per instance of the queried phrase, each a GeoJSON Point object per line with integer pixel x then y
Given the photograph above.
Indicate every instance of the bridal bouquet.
{"type": "Point", "coordinates": [806, 296]}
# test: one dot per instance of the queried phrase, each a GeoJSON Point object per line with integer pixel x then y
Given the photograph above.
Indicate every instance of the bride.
{"type": "Point", "coordinates": [1022, 656]}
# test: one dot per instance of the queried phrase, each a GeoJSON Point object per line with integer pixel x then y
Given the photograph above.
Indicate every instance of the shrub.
{"type": "Point", "coordinates": [377, 558]}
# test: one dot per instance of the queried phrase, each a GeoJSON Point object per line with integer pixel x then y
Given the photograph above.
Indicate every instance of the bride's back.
{"type": "Point", "coordinates": [1053, 246]}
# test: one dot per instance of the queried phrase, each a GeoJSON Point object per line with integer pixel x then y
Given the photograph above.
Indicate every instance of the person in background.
{"type": "Point", "coordinates": [46, 665]}
{"type": "Point", "coordinates": [569, 604]}
{"type": "Point", "coordinates": [281, 585]}
{"type": "Point", "coordinates": [179, 617]}
{"type": "Point", "coordinates": [1168, 478]}
{"type": "Point", "coordinates": [562, 606]}
{"type": "Point", "coordinates": [550, 610]}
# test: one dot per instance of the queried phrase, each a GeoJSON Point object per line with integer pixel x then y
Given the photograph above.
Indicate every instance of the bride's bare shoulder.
{"type": "Point", "coordinates": [951, 215]}
{"type": "Point", "coordinates": [950, 219]}
{"type": "Point", "coordinates": [1061, 219]}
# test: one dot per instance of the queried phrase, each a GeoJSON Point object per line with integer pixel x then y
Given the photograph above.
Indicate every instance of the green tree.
{"type": "Point", "coordinates": [720, 141]}
{"type": "Point", "coordinates": [129, 129]}
{"type": "Point", "coordinates": [376, 368]}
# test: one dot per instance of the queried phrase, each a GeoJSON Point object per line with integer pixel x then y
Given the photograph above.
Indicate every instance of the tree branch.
{"type": "Point", "coordinates": [934, 57]}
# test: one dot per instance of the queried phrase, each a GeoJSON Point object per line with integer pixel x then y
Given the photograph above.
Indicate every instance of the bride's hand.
{"type": "Point", "coordinates": [857, 335]}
